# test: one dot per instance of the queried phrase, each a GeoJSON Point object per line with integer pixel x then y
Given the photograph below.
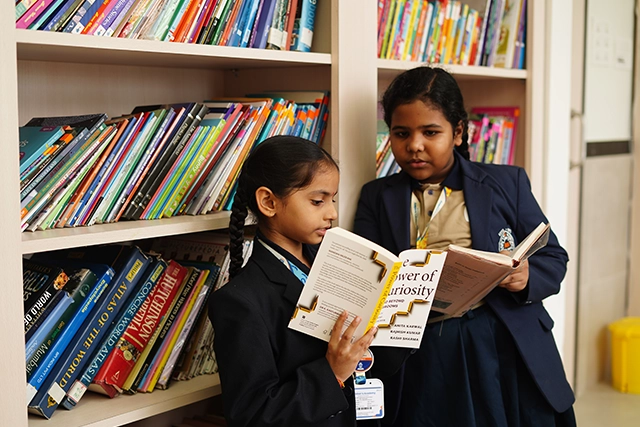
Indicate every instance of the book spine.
{"type": "Point", "coordinates": [90, 337]}
{"type": "Point", "coordinates": [118, 365]}
{"type": "Point", "coordinates": [165, 326]}
{"type": "Point", "coordinates": [80, 385]}
{"type": "Point", "coordinates": [39, 292]}
{"type": "Point", "coordinates": [383, 295]}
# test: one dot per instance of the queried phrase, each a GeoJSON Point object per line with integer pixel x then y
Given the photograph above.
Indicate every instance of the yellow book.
{"type": "Point", "coordinates": [451, 32]}
{"type": "Point", "coordinates": [411, 33]}
{"type": "Point", "coordinates": [394, 28]}
{"type": "Point", "coordinates": [170, 340]}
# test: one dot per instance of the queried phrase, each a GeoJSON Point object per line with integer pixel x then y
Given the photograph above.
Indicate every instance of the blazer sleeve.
{"type": "Point", "coordinates": [548, 266]}
{"type": "Point", "coordinates": [253, 392]}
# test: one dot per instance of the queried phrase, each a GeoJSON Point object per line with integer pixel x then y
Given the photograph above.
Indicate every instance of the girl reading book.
{"type": "Point", "coordinates": [272, 375]}
{"type": "Point", "coordinates": [497, 365]}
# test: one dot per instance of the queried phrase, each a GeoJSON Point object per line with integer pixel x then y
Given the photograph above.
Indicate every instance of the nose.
{"type": "Point", "coordinates": [332, 213]}
{"type": "Point", "coordinates": [415, 143]}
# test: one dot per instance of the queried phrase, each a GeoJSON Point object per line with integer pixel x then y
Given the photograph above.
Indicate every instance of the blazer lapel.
{"type": "Point", "coordinates": [479, 200]}
{"type": "Point", "coordinates": [396, 198]}
{"type": "Point", "coordinates": [276, 272]}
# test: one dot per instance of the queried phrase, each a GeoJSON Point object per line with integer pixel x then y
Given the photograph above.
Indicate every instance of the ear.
{"type": "Point", "coordinates": [457, 134]}
{"type": "Point", "coordinates": [266, 201]}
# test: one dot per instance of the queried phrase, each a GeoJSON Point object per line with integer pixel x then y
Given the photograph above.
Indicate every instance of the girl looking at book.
{"type": "Point", "coordinates": [272, 375]}
{"type": "Point", "coordinates": [498, 365]}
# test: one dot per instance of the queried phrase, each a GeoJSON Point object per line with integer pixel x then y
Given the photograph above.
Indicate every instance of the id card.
{"type": "Point", "coordinates": [369, 400]}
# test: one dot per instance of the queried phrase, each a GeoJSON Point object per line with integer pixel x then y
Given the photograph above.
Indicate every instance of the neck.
{"type": "Point", "coordinates": [291, 246]}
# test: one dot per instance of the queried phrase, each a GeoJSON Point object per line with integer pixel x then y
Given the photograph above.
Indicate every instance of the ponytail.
{"type": "Point", "coordinates": [239, 213]}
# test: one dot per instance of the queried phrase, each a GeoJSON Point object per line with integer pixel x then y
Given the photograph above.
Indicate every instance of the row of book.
{"type": "Point", "coordinates": [492, 133]}
{"type": "Point", "coordinates": [158, 161]}
{"type": "Point", "coordinates": [116, 319]}
{"type": "Point", "coordinates": [271, 24]}
{"type": "Point", "coordinates": [491, 138]}
{"type": "Point", "coordinates": [469, 32]}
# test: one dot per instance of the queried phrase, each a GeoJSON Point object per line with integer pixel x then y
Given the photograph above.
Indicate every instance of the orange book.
{"type": "Point", "coordinates": [185, 23]}
{"type": "Point", "coordinates": [229, 24]}
{"type": "Point", "coordinates": [84, 186]}
{"type": "Point", "coordinates": [98, 15]}
{"type": "Point", "coordinates": [291, 17]}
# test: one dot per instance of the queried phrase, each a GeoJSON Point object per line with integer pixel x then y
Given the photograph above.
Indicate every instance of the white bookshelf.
{"type": "Point", "coordinates": [62, 74]}
{"type": "Point", "coordinates": [96, 410]}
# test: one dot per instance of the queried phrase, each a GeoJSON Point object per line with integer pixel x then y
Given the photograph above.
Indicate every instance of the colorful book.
{"type": "Point", "coordinates": [40, 283]}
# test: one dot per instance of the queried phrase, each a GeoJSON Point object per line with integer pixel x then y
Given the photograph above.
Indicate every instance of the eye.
{"type": "Point", "coordinates": [316, 202]}
{"type": "Point", "coordinates": [400, 134]}
{"type": "Point", "coordinates": [430, 133]}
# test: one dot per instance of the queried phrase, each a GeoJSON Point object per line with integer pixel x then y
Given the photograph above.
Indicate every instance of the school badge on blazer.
{"type": "Point", "coordinates": [506, 242]}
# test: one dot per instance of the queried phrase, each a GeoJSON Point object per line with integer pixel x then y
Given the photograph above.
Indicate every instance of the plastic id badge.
{"type": "Point", "coordinates": [369, 400]}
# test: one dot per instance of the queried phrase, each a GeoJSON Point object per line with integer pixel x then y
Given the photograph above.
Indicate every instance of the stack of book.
{"type": "Point", "coordinates": [116, 319]}
{"type": "Point", "coordinates": [469, 32]}
{"type": "Point", "coordinates": [158, 161]}
{"type": "Point", "coordinates": [271, 24]}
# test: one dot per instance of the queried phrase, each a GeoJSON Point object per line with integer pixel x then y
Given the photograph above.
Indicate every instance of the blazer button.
{"type": "Point", "coordinates": [528, 302]}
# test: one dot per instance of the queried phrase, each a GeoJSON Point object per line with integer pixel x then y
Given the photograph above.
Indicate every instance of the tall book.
{"type": "Point", "coordinates": [116, 368]}
{"type": "Point", "coordinates": [139, 295]}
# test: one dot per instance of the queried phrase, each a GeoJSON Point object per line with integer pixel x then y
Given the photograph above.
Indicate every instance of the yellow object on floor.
{"type": "Point", "coordinates": [625, 354]}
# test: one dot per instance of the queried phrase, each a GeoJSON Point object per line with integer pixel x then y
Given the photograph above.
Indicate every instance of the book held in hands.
{"type": "Point", "coordinates": [396, 293]}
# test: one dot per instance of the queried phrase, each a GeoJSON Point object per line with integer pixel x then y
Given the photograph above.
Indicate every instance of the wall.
{"type": "Point", "coordinates": [606, 180]}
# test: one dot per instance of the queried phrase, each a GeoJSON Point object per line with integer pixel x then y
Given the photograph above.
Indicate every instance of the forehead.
{"type": "Point", "coordinates": [417, 110]}
{"type": "Point", "coordinates": [324, 179]}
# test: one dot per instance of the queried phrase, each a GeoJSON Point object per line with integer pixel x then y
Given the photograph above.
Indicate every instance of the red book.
{"type": "Point", "coordinates": [120, 362]}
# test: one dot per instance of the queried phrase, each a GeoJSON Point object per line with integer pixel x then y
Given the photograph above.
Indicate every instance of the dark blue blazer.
{"type": "Point", "coordinates": [272, 375]}
{"type": "Point", "coordinates": [497, 197]}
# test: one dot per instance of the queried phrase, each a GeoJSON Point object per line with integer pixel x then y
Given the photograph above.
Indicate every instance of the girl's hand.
{"type": "Point", "coordinates": [342, 354]}
{"type": "Point", "coordinates": [518, 279]}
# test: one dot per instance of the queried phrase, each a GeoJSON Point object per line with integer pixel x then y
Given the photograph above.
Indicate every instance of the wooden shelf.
{"type": "Point", "coordinates": [48, 240]}
{"type": "Point", "coordinates": [74, 48]}
{"type": "Point", "coordinates": [389, 68]}
{"type": "Point", "coordinates": [96, 410]}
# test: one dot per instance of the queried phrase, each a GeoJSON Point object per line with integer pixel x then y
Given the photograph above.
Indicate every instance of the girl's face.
{"type": "Point", "coordinates": [422, 141]}
{"type": "Point", "coordinates": [305, 215]}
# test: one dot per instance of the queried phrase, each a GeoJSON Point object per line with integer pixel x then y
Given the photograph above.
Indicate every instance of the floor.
{"type": "Point", "coordinates": [604, 406]}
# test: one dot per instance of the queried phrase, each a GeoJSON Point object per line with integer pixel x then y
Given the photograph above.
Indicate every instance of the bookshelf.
{"type": "Point", "coordinates": [64, 74]}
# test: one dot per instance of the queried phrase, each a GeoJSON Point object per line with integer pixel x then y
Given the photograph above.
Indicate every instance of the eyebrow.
{"type": "Point", "coordinates": [323, 192]}
{"type": "Point", "coordinates": [430, 125]}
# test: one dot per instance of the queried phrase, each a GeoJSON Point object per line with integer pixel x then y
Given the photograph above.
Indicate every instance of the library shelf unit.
{"type": "Point", "coordinates": [46, 74]}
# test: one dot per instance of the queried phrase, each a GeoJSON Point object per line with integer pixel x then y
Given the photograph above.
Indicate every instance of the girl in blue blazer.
{"type": "Point", "coordinates": [498, 365]}
{"type": "Point", "coordinates": [272, 375]}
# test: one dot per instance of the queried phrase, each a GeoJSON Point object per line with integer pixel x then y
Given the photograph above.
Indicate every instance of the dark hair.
{"type": "Point", "coordinates": [281, 163]}
{"type": "Point", "coordinates": [433, 86]}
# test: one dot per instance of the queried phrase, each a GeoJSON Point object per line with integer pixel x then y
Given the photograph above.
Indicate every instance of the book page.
{"type": "Point", "coordinates": [349, 273]}
{"type": "Point", "coordinates": [405, 312]}
{"type": "Point", "coordinates": [466, 280]}
{"type": "Point", "coordinates": [537, 239]}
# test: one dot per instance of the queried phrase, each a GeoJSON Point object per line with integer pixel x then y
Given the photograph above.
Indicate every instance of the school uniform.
{"type": "Point", "coordinates": [272, 375]}
{"type": "Point", "coordinates": [498, 365]}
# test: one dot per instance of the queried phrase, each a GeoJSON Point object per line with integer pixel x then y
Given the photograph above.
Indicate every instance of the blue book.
{"type": "Point", "coordinates": [46, 15]}
{"type": "Point", "coordinates": [80, 13]}
{"type": "Point", "coordinates": [81, 284]}
{"type": "Point", "coordinates": [238, 25]}
{"type": "Point", "coordinates": [129, 263]}
{"type": "Point", "coordinates": [39, 374]}
{"type": "Point", "coordinates": [34, 141]}
{"type": "Point", "coordinates": [61, 15]}
{"type": "Point", "coordinates": [46, 322]}
{"type": "Point", "coordinates": [250, 23]}
{"type": "Point", "coordinates": [79, 387]}
{"type": "Point", "coordinates": [303, 27]}
{"type": "Point", "coordinates": [263, 24]}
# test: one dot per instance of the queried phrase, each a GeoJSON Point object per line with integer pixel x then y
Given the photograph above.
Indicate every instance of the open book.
{"type": "Point", "coordinates": [396, 293]}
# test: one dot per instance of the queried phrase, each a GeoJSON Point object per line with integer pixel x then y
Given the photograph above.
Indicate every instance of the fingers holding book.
{"type": "Point", "coordinates": [343, 353]}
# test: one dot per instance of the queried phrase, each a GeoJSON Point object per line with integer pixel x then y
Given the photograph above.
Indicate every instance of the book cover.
{"type": "Point", "coordinates": [138, 296]}
{"type": "Point", "coordinates": [116, 368]}
{"type": "Point", "coordinates": [303, 28]}
{"type": "Point", "coordinates": [34, 141]}
{"type": "Point", "coordinates": [40, 282]}
{"type": "Point", "coordinates": [393, 293]}
{"type": "Point", "coordinates": [45, 323]}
